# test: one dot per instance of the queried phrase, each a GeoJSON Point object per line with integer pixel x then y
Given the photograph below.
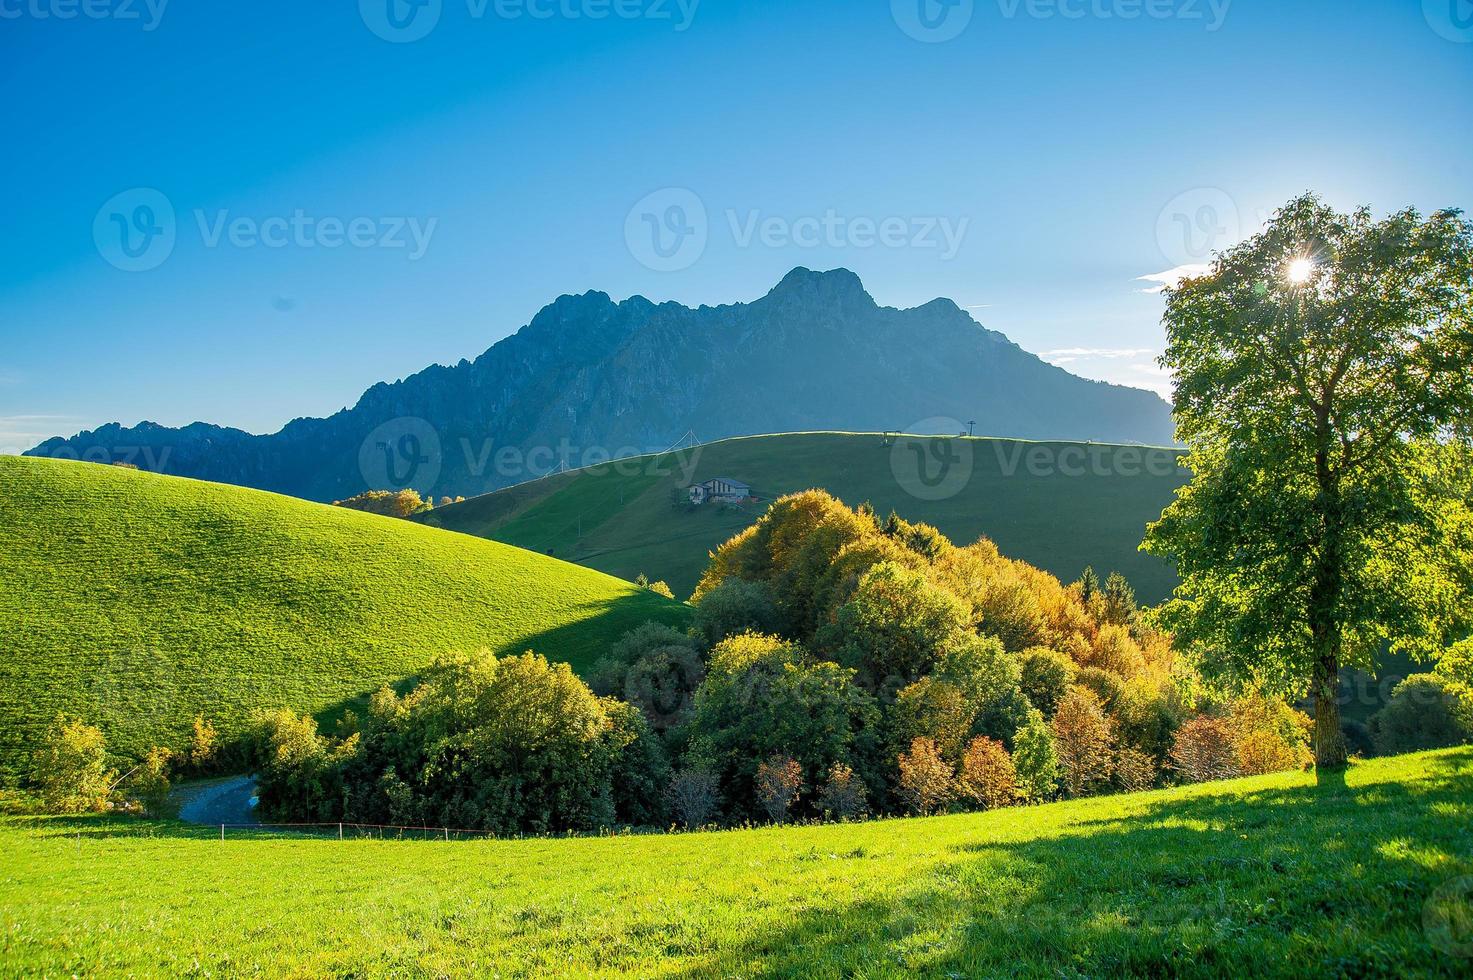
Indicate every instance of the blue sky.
{"type": "Point", "coordinates": [349, 208]}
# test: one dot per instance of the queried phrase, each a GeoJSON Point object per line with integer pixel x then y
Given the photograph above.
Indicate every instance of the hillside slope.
{"type": "Point", "coordinates": [591, 376]}
{"type": "Point", "coordinates": [1268, 876]}
{"type": "Point", "coordinates": [137, 600]}
{"type": "Point", "coordinates": [1059, 506]}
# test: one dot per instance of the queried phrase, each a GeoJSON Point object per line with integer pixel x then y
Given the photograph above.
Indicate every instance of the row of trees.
{"type": "Point", "coordinates": [394, 503]}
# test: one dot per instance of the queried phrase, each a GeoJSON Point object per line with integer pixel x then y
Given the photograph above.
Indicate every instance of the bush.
{"type": "Point", "coordinates": [763, 696]}
{"type": "Point", "coordinates": [987, 777]}
{"type": "Point", "coordinates": [1046, 677]}
{"type": "Point", "coordinates": [734, 607]}
{"type": "Point", "coordinates": [1035, 759]}
{"type": "Point", "coordinates": [1134, 770]}
{"type": "Point", "coordinates": [71, 768]}
{"type": "Point", "coordinates": [693, 796]}
{"type": "Point", "coordinates": [842, 796]}
{"type": "Point", "coordinates": [204, 746]}
{"type": "Point", "coordinates": [1271, 735]}
{"type": "Point", "coordinates": [1106, 685]}
{"type": "Point", "coordinates": [149, 784]}
{"type": "Point", "coordinates": [1426, 711]}
{"type": "Point", "coordinates": [511, 745]}
{"type": "Point", "coordinates": [1205, 749]}
{"type": "Point", "coordinates": [925, 778]}
{"type": "Point", "coordinates": [1085, 738]}
{"type": "Point", "coordinates": [778, 781]}
{"type": "Point", "coordinates": [896, 625]}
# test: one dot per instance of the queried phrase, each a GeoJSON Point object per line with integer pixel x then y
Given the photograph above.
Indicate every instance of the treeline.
{"type": "Point", "coordinates": [838, 665]}
{"type": "Point", "coordinates": [394, 503]}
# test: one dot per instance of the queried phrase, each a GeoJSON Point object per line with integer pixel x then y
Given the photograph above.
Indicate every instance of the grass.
{"type": "Point", "coordinates": [619, 518]}
{"type": "Point", "coordinates": [1271, 875]}
{"type": "Point", "coordinates": [137, 600]}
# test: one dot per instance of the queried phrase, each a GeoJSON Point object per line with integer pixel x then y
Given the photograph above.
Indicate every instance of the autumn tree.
{"type": "Point", "coordinates": [987, 776]}
{"type": "Point", "coordinates": [1085, 739]}
{"type": "Point", "coordinates": [1322, 388]}
{"type": "Point", "coordinates": [925, 778]}
{"type": "Point", "coordinates": [778, 780]}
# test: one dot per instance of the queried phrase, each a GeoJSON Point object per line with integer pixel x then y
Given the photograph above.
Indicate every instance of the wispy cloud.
{"type": "Point", "coordinates": [1070, 355]}
{"type": "Point", "coordinates": [1172, 278]}
{"type": "Point", "coordinates": [20, 432]}
{"type": "Point", "coordinates": [1134, 367]}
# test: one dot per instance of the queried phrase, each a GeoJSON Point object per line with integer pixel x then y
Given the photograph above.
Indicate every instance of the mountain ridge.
{"type": "Point", "coordinates": [592, 377]}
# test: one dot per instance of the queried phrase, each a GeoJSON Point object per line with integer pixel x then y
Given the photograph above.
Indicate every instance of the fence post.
{"type": "Point", "coordinates": [447, 833]}
{"type": "Point", "coordinates": [340, 830]}
{"type": "Point", "coordinates": [222, 833]}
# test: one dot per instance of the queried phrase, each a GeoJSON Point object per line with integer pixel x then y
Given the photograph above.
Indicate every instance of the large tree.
{"type": "Point", "coordinates": [1322, 387]}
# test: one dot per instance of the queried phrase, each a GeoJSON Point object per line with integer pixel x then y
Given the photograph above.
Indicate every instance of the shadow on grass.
{"type": "Point", "coordinates": [1325, 880]}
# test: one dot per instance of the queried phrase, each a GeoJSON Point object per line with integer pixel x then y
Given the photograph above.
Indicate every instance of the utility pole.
{"type": "Point", "coordinates": [970, 426]}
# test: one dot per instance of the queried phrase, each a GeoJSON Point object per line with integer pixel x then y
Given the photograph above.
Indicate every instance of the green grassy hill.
{"type": "Point", "coordinates": [137, 600]}
{"type": "Point", "coordinates": [1269, 876]}
{"type": "Point", "coordinates": [1060, 506]}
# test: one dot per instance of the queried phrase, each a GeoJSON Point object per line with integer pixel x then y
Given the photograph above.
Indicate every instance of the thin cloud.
{"type": "Point", "coordinates": [1072, 355]}
{"type": "Point", "coordinates": [1172, 278]}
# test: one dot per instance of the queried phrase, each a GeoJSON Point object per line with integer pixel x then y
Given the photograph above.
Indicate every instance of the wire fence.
{"type": "Point", "coordinates": [346, 830]}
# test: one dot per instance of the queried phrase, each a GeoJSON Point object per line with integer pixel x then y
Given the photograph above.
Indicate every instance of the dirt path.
{"type": "Point", "coordinates": [218, 801]}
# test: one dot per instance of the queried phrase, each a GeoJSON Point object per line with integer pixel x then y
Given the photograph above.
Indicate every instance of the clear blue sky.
{"type": "Point", "coordinates": [1078, 150]}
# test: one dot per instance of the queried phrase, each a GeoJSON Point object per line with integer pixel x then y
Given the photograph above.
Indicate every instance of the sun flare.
{"type": "Point", "coordinates": [1300, 270]}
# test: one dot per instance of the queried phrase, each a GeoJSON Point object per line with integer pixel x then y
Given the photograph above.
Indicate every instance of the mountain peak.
{"type": "Point", "coordinates": [835, 284]}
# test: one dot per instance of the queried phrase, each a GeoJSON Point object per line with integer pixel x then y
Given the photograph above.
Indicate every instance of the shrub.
{"type": "Point", "coordinates": [1045, 678]}
{"type": "Point", "coordinates": [896, 625]}
{"type": "Point", "coordinates": [1085, 738]}
{"type": "Point", "coordinates": [763, 695]}
{"type": "Point", "coordinates": [1035, 759]}
{"type": "Point", "coordinates": [1205, 749]}
{"type": "Point", "coordinates": [204, 745]}
{"type": "Point", "coordinates": [149, 783]}
{"type": "Point", "coordinates": [1426, 711]}
{"type": "Point", "coordinates": [778, 781]}
{"type": "Point", "coordinates": [1106, 685]}
{"type": "Point", "coordinates": [692, 796]}
{"type": "Point", "coordinates": [1271, 735]}
{"type": "Point", "coordinates": [1146, 718]}
{"type": "Point", "coordinates": [388, 503]}
{"type": "Point", "coordinates": [925, 778]}
{"type": "Point", "coordinates": [735, 606]}
{"type": "Point", "coordinates": [987, 777]}
{"type": "Point", "coordinates": [842, 796]}
{"type": "Point", "coordinates": [1134, 770]}
{"type": "Point", "coordinates": [71, 767]}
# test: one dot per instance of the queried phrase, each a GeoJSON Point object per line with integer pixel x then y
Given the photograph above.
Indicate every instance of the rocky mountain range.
{"type": "Point", "coordinates": [591, 379]}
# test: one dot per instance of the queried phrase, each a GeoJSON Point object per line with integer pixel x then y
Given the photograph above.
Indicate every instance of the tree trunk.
{"type": "Point", "coordinates": [1329, 741]}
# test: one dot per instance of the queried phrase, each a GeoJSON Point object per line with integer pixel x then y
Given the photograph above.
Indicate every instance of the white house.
{"type": "Point", "coordinates": [720, 490]}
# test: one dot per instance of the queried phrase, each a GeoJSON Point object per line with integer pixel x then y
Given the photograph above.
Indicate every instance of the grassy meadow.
{"type": "Point", "coordinates": [136, 601]}
{"type": "Point", "coordinates": [619, 519]}
{"type": "Point", "coordinates": [1271, 875]}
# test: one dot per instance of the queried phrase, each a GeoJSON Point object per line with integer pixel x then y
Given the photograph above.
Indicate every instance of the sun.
{"type": "Point", "coordinates": [1300, 270]}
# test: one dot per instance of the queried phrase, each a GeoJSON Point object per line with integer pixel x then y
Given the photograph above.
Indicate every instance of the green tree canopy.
{"type": "Point", "coordinates": [1322, 387]}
